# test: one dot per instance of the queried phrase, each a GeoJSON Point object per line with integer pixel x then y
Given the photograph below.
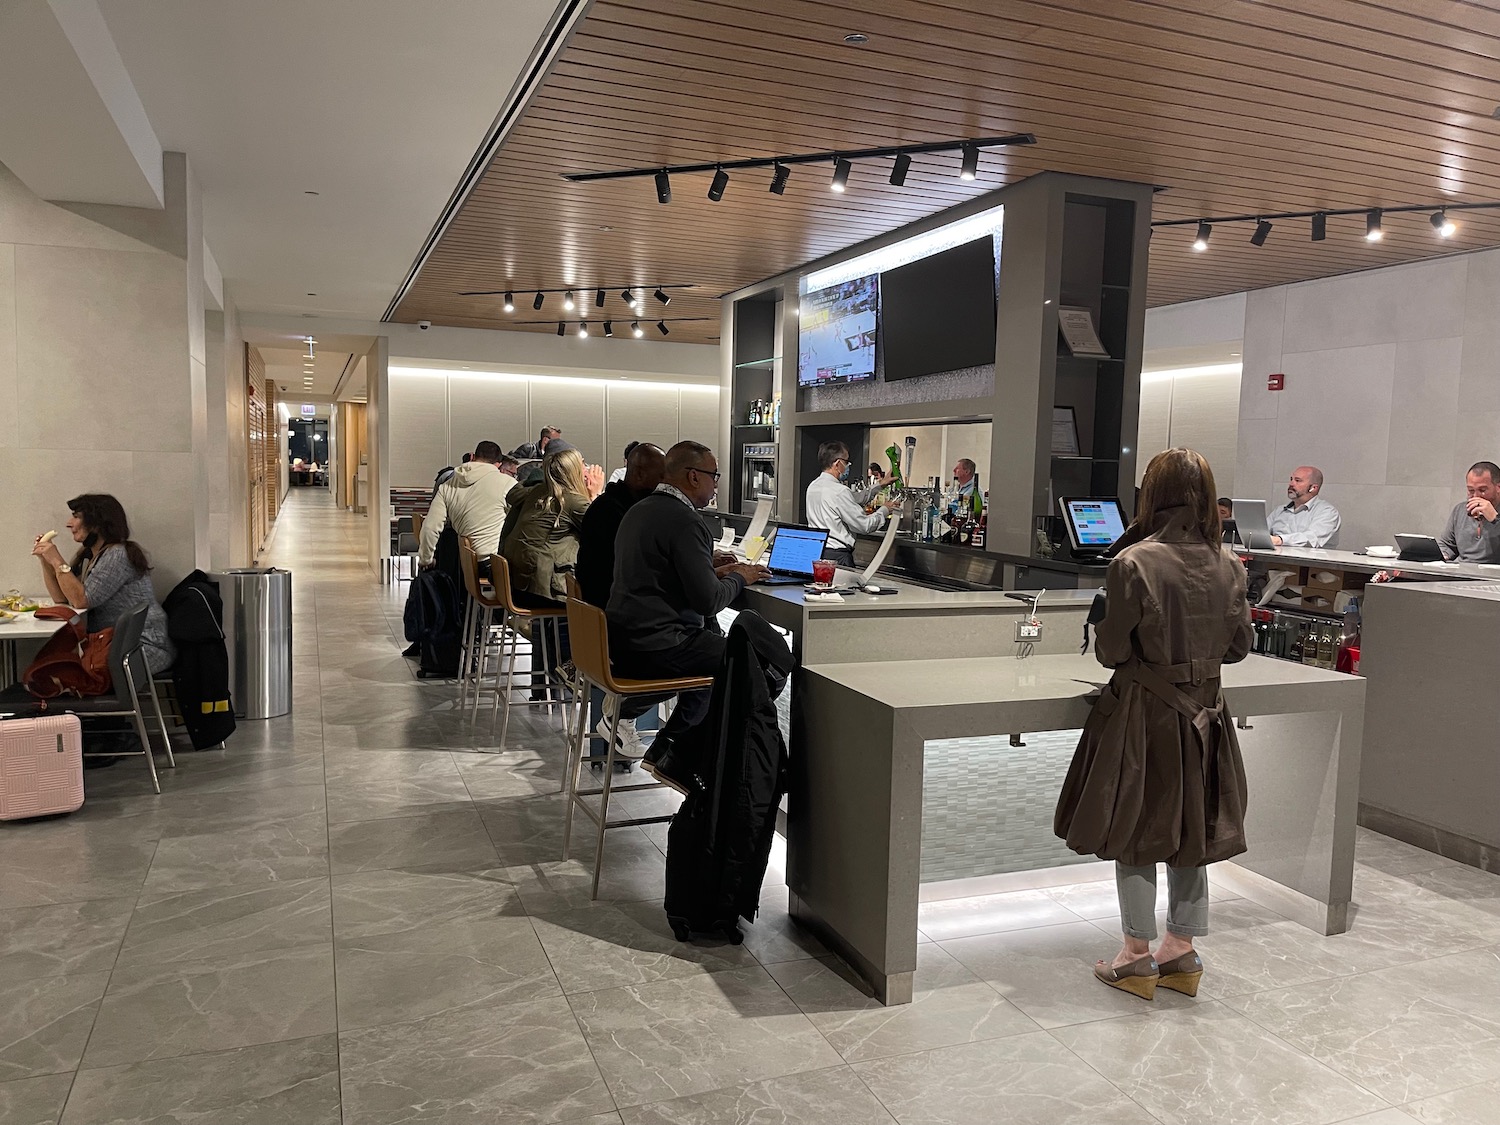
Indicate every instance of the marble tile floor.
{"type": "Point", "coordinates": [358, 914]}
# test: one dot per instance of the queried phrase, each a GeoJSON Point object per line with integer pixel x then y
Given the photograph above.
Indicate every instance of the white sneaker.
{"type": "Point", "coordinates": [628, 744]}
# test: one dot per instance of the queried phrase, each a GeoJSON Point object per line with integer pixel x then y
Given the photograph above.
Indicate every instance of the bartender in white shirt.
{"type": "Point", "coordinates": [834, 505]}
{"type": "Point", "coordinates": [1306, 519]}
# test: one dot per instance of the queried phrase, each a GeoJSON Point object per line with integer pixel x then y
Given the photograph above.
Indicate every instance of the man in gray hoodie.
{"type": "Point", "coordinates": [473, 502]}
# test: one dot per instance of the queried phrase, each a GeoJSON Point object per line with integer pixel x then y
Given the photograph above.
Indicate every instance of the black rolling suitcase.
{"type": "Point", "coordinates": [720, 839]}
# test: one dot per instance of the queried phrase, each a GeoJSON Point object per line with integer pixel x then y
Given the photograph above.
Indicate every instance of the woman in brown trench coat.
{"type": "Point", "coordinates": [1157, 776]}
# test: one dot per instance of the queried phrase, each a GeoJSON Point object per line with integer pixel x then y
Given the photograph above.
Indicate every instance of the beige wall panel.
{"type": "Point", "coordinates": [484, 409]}
{"type": "Point", "coordinates": [699, 417]}
{"type": "Point", "coordinates": [27, 220]}
{"type": "Point", "coordinates": [1205, 417]}
{"type": "Point", "coordinates": [638, 413]}
{"type": "Point", "coordinates": [419, 429]}
{"type": "Point", "coordinates": [10, 422]}
{"type": "Point", "coordinates": [577, 407]}
{"type": "Point", "coordinates": [1155, 429]}
{"type": "Point", "coordinates": [102, 350]}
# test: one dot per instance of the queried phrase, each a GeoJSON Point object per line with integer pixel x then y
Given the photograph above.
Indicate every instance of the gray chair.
{"type": "Point", "coordinates": [128, 671]}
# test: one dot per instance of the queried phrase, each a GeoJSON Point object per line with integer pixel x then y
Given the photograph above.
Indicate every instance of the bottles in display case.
{"type": "Point", "coordinates": [1315, 642]}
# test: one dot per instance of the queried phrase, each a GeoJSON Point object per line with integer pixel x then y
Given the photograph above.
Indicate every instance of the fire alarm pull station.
{"type": "Point", "coordinates": [1275, 382]}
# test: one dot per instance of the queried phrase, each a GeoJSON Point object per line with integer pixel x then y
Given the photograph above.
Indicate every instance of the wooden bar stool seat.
{"type": "Point", "coordinates": [511, 616]}
{"type": "Point", "coordinates": [479, 619]}
{"type": "Point", "coordinates": [589, 634]}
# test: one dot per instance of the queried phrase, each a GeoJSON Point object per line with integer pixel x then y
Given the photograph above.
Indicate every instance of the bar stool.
{"type": "Point", "coordinates": [479, 620]}
{"type": "Point", "coordinates": [510, 616]}
{"type": "Point", "coordinates": [589, 632]}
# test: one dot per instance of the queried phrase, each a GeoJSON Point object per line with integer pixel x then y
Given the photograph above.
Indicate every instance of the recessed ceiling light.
{"type": "Point", "coordinates": [856, 39]}
{"type": "Point", "coordinates": [1234, 353]}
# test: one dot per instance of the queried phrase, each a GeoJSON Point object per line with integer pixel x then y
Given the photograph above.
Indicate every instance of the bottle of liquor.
{"type": "Point", "coordinates": [934, 513]}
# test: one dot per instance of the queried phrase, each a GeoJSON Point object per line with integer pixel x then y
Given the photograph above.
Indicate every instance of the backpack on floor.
{"type": "Point", "coordinates": [433, 620]}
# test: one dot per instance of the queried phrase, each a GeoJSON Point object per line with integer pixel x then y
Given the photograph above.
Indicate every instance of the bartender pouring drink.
{"type": "Point", "coordinates": [1473, 531]}
{"type": "Point", "coordinates": [832, 505]}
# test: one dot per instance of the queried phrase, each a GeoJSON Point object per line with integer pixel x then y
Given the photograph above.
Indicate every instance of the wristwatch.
{"type": "Point", "coordinates": [64, 568]}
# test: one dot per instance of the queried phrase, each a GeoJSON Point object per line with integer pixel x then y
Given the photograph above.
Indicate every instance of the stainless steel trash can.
{"type": "Point", "coordinates": [258, 635]}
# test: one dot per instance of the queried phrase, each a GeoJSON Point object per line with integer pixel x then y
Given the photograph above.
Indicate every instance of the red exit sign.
{"type": "Point", "coordinates": [1275, 382]}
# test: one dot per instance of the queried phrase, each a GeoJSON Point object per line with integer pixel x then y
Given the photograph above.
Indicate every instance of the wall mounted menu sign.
{"type": "Point", "coordinates": [1064, 432]}
{"type": "Point", "coordinates": [1077, 328]}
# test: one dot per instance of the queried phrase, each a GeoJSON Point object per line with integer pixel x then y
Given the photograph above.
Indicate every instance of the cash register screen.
{"type": "Point", "coordinates": [1093, 524]}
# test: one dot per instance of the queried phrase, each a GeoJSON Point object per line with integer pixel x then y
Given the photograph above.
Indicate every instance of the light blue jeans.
{"type": "Point", "coordinates": [1187, 900]}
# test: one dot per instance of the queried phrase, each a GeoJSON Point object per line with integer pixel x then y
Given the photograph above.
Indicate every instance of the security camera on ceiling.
{"type": "Point", "coordinates": [424, 325]}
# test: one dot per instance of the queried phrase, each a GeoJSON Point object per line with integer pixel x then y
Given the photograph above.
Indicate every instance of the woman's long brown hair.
{"type": "Point", "coordinates": [1180, 478]}
{"type": "Point", "coordinates": [104, 516]}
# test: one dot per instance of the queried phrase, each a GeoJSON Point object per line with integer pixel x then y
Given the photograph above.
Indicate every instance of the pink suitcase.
{"type": "Point", "coordinates": [41, 766]}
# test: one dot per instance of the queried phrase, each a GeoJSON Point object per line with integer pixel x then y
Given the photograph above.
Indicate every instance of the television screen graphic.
{"type": "Point", "coordinates": [836, 333]}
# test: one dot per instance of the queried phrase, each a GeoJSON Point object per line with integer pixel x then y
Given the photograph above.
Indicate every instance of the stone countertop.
{"type": "Point", "coordinates": [1354, 560]}
{"type": "Point", "coordinates": [917, 598]}
{"type": "Point", "coordinates": [1473, 591]}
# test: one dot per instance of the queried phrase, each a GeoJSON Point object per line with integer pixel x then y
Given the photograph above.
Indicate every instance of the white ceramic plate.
{"type": "Point", "coordinates": [1382, 552]}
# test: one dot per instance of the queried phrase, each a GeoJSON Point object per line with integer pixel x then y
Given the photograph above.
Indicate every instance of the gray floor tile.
{"type": "Point", "coordinates": [44, 1023]}
{"type": "Point", "coordinates": [634, 871]}
{"type": "Point", "coordinates": [75, 937]}
{"type": "Point", "coordinates": [1048, 973]}
{"type": "Point", "coordinates": [514, 773]}
{"type": "Point", "coordinates": [775, 936]}
{"type": "Point", "coordinates": [72, 861]}
{"type": "Point", "coordinates": [360, 766]}
{"type": "Point", "coordinates": [1407, 1033]}
{"type": "Point", "coordinates": [1022, 1080]}
{"type": "Point", "coordinates": [1393, 856]}
{"type": "Point", "coordinates": [350, 800]}
{"type": "Point", "coordinates": [1472, 1105]}
{"type": "Point", "coordinates": [1211, 1065]}
{"type": "Point", "coordinates": [369, 903]}
{"type": "Point", "coordinates": [608, 945]}
{"type": "Point", "coordinates": [223, 922]}
{"type": "Point", "coordinates": [454, 841]}
{"type": "Point", "coordinates": [286, 1083]}
{"type": "Point", "coordinates": [1099, 900]}
{"type": "Point", "coordinates": [439, 967]}
{"type": "Point", "coordinates": [277, 851]}
{"type": "Point", "coordinates": [161, 1012]}
{"type": "Point", "coordinates": [828, 1097]}
{"type": "Point", "coordinates": [517, 1062]}
{"type": "Point", "coordinates": [949, 1006]}
{"type": "Point", "coordinates": [678, 1037]}
{"type": "Point", "coordinates": [969, 917]}
{"type": "Point", "coordinates": [34, 1101]}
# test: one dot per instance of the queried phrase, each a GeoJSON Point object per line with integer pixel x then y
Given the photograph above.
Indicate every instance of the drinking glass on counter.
{"type": "Point", "coordinates": [755, 546]}
{"type": "Point", "coordinates": [823, 570]}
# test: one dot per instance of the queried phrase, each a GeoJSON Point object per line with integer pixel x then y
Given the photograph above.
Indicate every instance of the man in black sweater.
{"type": "Point", "coordinates": [667, 591]}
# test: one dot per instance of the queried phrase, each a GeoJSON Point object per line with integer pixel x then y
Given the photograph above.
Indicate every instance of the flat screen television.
{"type": "Point", "coordinates": [836, 333]}
{"type": "Point", "coordinates": [938, 313]}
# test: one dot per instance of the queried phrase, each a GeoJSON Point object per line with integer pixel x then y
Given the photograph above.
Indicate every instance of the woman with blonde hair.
{"type": "Point", "coordinates": [1157, 776]}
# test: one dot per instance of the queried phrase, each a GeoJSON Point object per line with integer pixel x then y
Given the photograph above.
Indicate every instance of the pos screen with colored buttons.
{"type": "Point", "coordinates": [1094, 524]}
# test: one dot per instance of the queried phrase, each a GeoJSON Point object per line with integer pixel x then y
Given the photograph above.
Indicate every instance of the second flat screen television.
{"type": "Point", "coordinates": [938, 313]}
{"type": "Point", "coordinates": [836, 333]}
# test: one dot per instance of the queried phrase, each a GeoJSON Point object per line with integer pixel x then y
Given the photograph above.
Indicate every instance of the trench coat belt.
{"type": "Point", "coordinates": [1161, 680]}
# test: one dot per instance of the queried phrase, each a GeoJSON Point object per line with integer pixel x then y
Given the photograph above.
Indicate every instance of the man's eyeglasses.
{"type": "Point", "coordinates": [705, 472]}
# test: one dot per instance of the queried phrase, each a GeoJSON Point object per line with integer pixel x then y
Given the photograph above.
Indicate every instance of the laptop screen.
{"type": "Point", "coordinates": [1094, 523]}
{"type": "Point", "coordinates": [794, 550]}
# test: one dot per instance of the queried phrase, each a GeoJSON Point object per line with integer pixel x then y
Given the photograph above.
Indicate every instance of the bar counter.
{"type": "Point", "coordinates": [1356, 562]}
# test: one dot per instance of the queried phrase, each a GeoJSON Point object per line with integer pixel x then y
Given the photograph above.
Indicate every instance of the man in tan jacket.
{"type": "Point", "coordinates": [473, 501]}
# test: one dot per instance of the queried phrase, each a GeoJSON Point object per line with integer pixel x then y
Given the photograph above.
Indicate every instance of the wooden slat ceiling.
{"type": "Point", "coordinates": [1234, 106]}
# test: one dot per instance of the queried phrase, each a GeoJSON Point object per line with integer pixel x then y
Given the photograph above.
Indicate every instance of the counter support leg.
{"type": "Point", "coordinates": [854, 832]}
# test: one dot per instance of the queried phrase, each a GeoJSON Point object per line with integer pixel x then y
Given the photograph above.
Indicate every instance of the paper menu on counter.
{"type": "Point", "coordinates": [758, 521]}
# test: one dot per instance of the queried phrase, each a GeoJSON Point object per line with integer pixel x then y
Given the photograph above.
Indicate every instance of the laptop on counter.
{"type": "Point", "coordinates": [1250, 524]}
{"type": "Point", "coordinates": [792, 554]}
{"type": "Point", "coordinates": [1419, 548]}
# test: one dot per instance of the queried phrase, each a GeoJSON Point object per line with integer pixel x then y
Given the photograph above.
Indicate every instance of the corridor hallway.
{"type": "Point", "coordinates": [358, 913]}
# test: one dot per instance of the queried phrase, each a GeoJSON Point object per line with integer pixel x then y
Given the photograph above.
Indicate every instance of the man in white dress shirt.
{"type": "Point", "coordinates": [1306, 519]}
{"type": "Point", "coordinates": [832, 504]}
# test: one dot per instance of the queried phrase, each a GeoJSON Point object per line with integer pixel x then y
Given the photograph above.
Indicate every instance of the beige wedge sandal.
{"type": "Point", "coordinates": [1139, 978]}
{"type": "Point", "coordinates": [1182, 974]}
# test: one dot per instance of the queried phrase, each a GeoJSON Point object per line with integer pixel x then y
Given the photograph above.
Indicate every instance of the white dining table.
{"type": "Point", "coordinates": [14, 630]}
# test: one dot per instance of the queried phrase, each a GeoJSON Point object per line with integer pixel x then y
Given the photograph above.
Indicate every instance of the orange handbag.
{"type": "Point", "coordinates": [72, 662]}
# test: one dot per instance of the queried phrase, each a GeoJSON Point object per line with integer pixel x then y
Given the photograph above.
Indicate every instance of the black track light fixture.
{"type": "Point", "coordinates": [1439, 214]}
{"type": "Point", "coordinates": [970, 167]}
{"type": "Point", "coordinates": [1373, 229]}
{"type": "Point", "coordinates": [1262, 232]}
{"type": "Point", "coordinates": [1319, 227]}
{"type": "Point", "coordinates": [663, 187]}
{"type": "Point", "coordinates": [510, 302]}
{"type": "Point", "coordinates": [628, 297]}
{"type": "Point", "coordinates": [636, 330]}
{"type": "Point", "coordinates": [1200, 243]}
{"type": "Point", "coordinates": [1445, 226]}
{"type": "Point", "coordinates": [583, 329]}
{"type": "Point", "coordinates": [779, 178]}
{"type": "Point", "coordinates": [841, 170]}
{"type": "Point", "coordinates": [568, 305]}
{"type": "Point", "coordinates": [721, 181]}
{"type": "Point", "coordinates": [561, 328]}
{"type": "Point", "coordinates": [609, 328]}
{"type": "Point", "coordinates": [537, 303]}
{"type": "Point", "coordinates": [599, 299]}
{"type": "Point", "coordinates": [899, 169]}
{"type": "Point", "coordinates": [662, 296]}
{"type": "Point", "coordinates": [661, 326]}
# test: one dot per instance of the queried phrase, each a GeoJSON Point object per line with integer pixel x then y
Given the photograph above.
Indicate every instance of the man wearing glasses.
{"type": "Point", "coordinates": [833, 505]}
{"type": "Point", "coordinates": [667, 590]}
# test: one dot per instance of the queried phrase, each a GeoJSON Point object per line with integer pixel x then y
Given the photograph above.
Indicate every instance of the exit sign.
{"type": "Point", "coordinates": [1274, 382]}
{"type": "Point", "coordinates": [309, 410]}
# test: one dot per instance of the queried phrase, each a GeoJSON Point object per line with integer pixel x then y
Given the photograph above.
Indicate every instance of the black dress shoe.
{"type": "Point", "coordinates": [668, 768]}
